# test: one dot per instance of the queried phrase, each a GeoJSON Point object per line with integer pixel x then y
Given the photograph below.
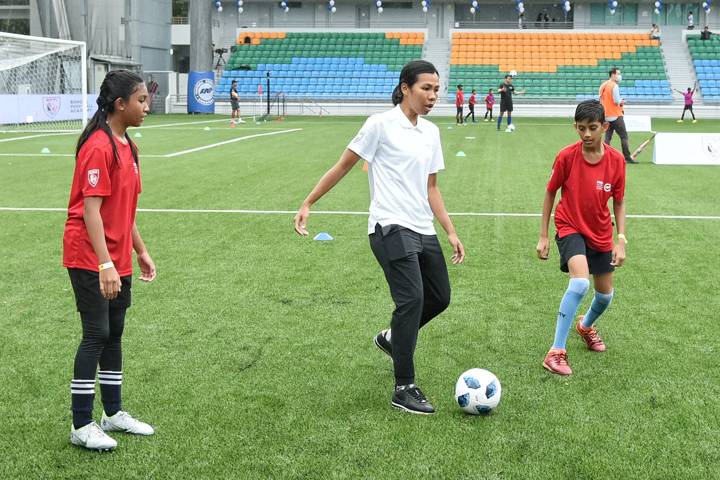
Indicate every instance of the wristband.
{"type": "Point", "coordinates": [622, 237]}
{"type": "Point", "coordinates": [105, 266]}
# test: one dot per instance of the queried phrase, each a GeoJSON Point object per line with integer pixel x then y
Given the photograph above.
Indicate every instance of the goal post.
{"type": "Point", "coordinates": [43, 84]}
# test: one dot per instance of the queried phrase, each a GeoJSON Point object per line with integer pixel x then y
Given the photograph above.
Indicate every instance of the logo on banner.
{"type": "Point", "coordinates": [51, 105]}
{"type": "Point", "coordinates": [204, 92]}
{"type": "Point", "coordinates": [93, 177]}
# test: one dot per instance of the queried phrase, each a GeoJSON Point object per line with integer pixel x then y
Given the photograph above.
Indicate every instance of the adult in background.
{"type": "Point", "coordinates": [613, 105]}
{"type": "Point", "coordinates": [507, 89]}
{"type": "Point", "coordinates": [691, 21]}
{"type": "Point", "coordinates": [705, 34]}
{"type": "Point", "coordinates": [655, 32]}
{"type": "Point", "coordinates": [688, 97]}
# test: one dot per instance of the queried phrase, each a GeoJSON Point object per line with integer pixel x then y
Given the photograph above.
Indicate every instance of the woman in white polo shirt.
{"type": "Point", "coordinates": [404, 154]}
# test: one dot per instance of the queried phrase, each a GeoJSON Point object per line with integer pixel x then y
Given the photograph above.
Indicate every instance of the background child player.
{"type": "Point", "coordinates": [100, 234]}
{"type": "Point", "coordinates": [404, 155]}
{"type": "Point", "coordinates": [489, 103]}
{"type": "Point", "coordinates": [589, 172]}
{"type": "Point", "coordinates": [507, 89]}
{"type": "Point", "coordinates": [459, 102]}
{"type": "Point", "coordinates": [471, 106]}
{"type": "Point", "coordinates": [235, 105]}
{"type": "Point", "coordinates": [688, 97]}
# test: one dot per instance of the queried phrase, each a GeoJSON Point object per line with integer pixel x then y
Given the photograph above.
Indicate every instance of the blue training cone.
{"type": "Point", "coordinates": [323, 237]}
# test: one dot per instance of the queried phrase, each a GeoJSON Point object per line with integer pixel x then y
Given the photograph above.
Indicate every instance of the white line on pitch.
{"type": "Point", "coordinates": [226, 142]}
{"type": "Point", "coordinates": [347, 212]}
{"type": "Point", "coordinates": [182, 123]}
{"type": "Point", "coordinates": [36, 136]}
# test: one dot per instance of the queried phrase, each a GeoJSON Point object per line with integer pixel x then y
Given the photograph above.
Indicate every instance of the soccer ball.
{"type": "Point", "coordinates": [513, 73]}
{"type": "Point", "coordinates": [478, 391]}
{"type": "Point", "coordinates": [511, 127]}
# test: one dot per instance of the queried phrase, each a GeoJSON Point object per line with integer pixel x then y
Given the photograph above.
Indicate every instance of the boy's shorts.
{"type": "Point", "coordinates": [574, 244]}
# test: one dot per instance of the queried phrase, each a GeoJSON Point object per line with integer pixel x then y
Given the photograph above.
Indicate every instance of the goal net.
{"type": "Point", "coordinates": [43, 84]}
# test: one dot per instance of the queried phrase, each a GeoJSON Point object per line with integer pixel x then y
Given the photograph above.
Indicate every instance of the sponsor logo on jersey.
{"type": "Point", "coordinates": [93, 176]}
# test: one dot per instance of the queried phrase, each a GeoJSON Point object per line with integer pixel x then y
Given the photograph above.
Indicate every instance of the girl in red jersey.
{"type": "Point", "coordinates": [590, 172]}
{"type": "Point", "coordinates": [100, 234]}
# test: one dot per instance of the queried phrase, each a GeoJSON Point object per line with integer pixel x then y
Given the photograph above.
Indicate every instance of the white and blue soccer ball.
{"type": "Point", "coordinates": [511, 127]}
{"type": "Point", "coordinates": [513, 73]}
{"type": "Point", "coordinates": [478, 391]}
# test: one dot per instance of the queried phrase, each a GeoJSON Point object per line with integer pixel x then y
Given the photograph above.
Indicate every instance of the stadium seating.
{"type": "Point", "coordinates": [321, 65]}
{"type": "Point", "coordinates": [559, 66]}
{"type": "Point", "coordinates": [706, 59]}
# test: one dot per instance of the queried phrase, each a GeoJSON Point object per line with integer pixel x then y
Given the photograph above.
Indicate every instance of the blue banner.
{"type": "Point", "coordinates": [201, 92]}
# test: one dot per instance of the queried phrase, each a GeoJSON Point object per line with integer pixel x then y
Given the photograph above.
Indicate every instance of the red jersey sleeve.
{"type": "Point", "coordinates": [95, 172]}
{"type": "Point", "coordinates": [557, 175]}
{"type": "Point", "coordinates": [619, 188]}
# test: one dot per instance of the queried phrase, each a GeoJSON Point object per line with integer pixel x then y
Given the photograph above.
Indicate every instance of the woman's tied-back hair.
{"type": "Point", "coordinates": [117, 84]}
{"type": "Point", "coordinates": [409, 76]}
{"type": "Point", "coordinates": [591, 111]}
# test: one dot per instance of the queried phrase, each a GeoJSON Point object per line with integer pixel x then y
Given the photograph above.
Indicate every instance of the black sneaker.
{"type": "Point", "coordinates": [632, 160]}
{"type": "Point", "coordinates": [382, 343]}
{"type": "Point", "coordinates": [412, 400]}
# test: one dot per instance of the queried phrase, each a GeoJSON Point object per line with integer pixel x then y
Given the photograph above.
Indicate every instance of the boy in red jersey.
{"type": "Point", "coordinates": [459, 102]}
{"type": "Point", "coordinates": [489, 103]}
{"type": "Point", "coordinates": [471, 106]}
{"type": "Point", "coordinates": [589, 172]}
{"type": "Point", "coordinates": [100, 234]}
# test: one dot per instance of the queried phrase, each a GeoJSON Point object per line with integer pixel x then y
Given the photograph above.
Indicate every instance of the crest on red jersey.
{"type": "Point", "coordinates": [93, 176]}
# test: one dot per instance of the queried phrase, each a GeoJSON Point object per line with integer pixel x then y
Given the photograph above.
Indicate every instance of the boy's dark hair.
{"type": "Point", "coordinates": [473, 90]}
{"type": "Point", "coordinates": [490, 90]}
{"type": "Point", "coordinates": [508, 76]}
{"type": "Point", "coordinates": [590, 110]}
{"type": "Point", "coordinates": [613, 71]}
{"type": "Point", "coordinates": [689, 89]}
{"type": "Point", "coordinates": [117, 84]}
{"type": "Point", "coordinates": [459, 87]}
{"type": "Point", "coordinates": [409, 75]}
{"type": "Point", "coordinates": [233, 82]}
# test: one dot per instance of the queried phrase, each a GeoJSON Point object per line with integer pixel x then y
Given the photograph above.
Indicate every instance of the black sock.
{"type": "Point", "coordinates": [83, 396]}
{"type": "Point", "coordinates": [110, 389]}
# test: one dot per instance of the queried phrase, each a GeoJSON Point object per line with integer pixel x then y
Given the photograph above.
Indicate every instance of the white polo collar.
{"type": "Point", "coordinates": [404, 121]}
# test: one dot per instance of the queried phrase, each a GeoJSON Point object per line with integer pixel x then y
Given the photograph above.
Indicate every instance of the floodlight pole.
{"type": "Point", "coordinates": [267, 89]}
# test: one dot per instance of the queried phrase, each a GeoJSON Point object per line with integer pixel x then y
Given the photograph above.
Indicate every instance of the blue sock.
{"type": "Point", "coordinates": [577, 288]}
{"type": "Point", "coordinates": [499, 121]}
{"type": "Point", "coordinates": [600, 303]}
{"type": "Point", "coordinates": [509, 119]}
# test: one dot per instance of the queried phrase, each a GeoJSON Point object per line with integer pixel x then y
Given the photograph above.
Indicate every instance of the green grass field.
{"type": "Point", "coordinates": [251, 353]}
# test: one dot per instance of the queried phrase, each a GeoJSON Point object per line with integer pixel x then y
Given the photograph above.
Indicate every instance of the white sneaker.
{"type": "Point", "coordinates": [91, 437]}
{"type": "Point", "coordinates": [123, 422]}
{"type": "Point", "coordinates": [240, 120]}
{"type": "Point", "coordinates": [508, 130]}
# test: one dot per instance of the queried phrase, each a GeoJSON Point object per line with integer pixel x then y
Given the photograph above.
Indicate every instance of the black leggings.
{"type": "Point", "coordinates": [472, 112]}
{"type": "Point", "coordinates": [688, 107]}
{"type": "Point", "coordinates": [103, 322]}
{"type": "Point", "coordinates": [101, 343]}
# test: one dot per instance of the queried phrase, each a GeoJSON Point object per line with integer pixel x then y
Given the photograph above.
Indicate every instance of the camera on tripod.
{"type": "Point", "coordinates": [220, 51]}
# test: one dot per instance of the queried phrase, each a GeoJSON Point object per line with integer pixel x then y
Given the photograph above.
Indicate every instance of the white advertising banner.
{"type": "Point", "coordinates": [43, 108]}
{"type": "Point", "coordinates": [638, 123]}
{"type": "Point", "coordinates": [687, 149]}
